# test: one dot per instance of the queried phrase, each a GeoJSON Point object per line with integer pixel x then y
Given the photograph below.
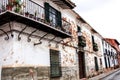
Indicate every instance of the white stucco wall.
{"type": "Point", "coordinates": [30, 54]}
{"type": "Point", "coordinates": [24, 53]}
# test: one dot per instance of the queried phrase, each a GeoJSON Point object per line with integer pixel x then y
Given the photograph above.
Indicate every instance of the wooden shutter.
{"type": "Point", "coordinates": [93, 41]}
{"type": "Point", "coordinates": [47, 12]}
{"type": "Point", "coordinates": [59, 21]}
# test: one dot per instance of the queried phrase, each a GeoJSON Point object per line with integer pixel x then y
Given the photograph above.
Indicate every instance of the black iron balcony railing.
{"type": "Point", "coordinates": [34, 11]}
{"type": "Point", "coordinates": [81, 41]}
{"type": "Point", "coordinates": [95, 46]}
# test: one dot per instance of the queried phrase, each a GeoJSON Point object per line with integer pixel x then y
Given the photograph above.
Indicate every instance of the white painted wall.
{"type": "Point", "coordinates": [23, 53]}
{"type": "Point", "coordinates": [30, 54]}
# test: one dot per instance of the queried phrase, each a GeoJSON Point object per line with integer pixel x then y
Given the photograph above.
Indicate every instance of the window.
{"type": "Point", "coordinates": [52, 16]}
{"type": "Point", "coordinates": [79, 31]}
{"type": "Point", "coordinates": [93, 39]}
{"type": "Point", "coordinates": [78, 28]}
{"type": "Point", "coordinates": [55, 67]}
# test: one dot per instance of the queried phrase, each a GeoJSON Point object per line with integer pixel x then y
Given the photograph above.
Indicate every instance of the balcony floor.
{"type": "Point", "coordinates": [8, 16]}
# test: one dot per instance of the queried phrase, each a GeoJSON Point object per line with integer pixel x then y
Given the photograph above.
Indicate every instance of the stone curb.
{"type": "Point", "coordinates": [109, 73]}
{"type": "Point", "coordinates": [103, 75]}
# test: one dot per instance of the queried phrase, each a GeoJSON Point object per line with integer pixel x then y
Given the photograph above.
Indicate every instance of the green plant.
{"type": "Point", "coordinates": [16, 2]}
{"type": "Point", "coordinates": [17, 9]}
{"type": "Point", "coordinates": [17, 5]}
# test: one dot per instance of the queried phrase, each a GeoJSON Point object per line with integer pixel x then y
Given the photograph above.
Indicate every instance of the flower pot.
{"type": "Point", "coordinates": [26, 14]}
{"type": "Point", "coordinates": [9, 8]}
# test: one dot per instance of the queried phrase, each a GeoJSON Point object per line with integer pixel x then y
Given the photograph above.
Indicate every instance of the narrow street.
{"type": "Point", "coordinates": [113, 76]}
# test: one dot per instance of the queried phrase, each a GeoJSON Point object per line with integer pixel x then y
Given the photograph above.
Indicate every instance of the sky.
{"type": "Point", "coordinates": [102, 15]}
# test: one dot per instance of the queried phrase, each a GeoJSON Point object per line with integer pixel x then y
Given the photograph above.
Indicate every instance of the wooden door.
{"type": "Point", "coordinates": [96, 64]}
{"type": "Point", "coordinates": [81, 58]}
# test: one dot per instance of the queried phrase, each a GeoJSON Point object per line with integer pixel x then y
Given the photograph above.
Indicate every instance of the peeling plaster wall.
{"type": "Point", "coordinates": [87, 34]}
{"type": "Point", "coordinates": [89, 56]}
{"type": "Point", "coordinates": [67, 15]}
{"type": "Point", "coordinates": [6, 48]}
{"type": "Point", "coordinates": [20, 56]}
{"type": "Point", "coordinates": [24, 57]}
{"type": "Point", "coordinates": [89, 53]}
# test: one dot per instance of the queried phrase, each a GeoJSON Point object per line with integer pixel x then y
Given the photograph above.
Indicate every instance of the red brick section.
{"type": "Point", "coordinates": [115, 44]}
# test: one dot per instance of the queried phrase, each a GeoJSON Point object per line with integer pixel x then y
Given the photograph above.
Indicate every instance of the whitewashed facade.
{"type": "Point", "coordinates": [110, 55]}
{"type": "Point", "coordinates": [24, 55]}
{"type": "Point", "coordinates": [26, 51]}
{"type": "Point", "coordinates": [41, 41]}
{"type": "Point", "coordinates": [90, 65]}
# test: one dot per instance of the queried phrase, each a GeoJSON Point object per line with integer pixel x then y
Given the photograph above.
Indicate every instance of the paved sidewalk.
{"type": "Point", "coordinates": [103, 75]}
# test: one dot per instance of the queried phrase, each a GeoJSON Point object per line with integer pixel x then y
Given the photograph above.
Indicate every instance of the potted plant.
{"type": "Point", "coordinates": [27, 14]}
{"type": "Point", "coordinates": [9, 6]}
{"type": "Point", "coordinates": [17, 9]}
{"type": "Point", "coordinates": [16, 2]}
{"type": "Point", "coordinates": [17, 5]}
{"type": "Point", "coordinates": [31, 15]}
{"type": "Point", "coordinates": [3, 8]}
{"type": "Point", "coordinates": [35, 15]}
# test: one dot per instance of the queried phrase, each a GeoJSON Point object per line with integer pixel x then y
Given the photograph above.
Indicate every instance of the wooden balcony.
{"type": "Point", "coordinates": [95, 47]}
{"type": "Point", "coordinates": [81, 41]}
{"type": "Point", "coordinates": [33, 15]}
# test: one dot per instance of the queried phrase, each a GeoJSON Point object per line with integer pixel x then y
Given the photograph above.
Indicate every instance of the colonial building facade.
{"type": "Point", "coordinates": [110, 55]}
{"type": "Point", "coordinates": [115, 51]}
{"type": "Point", "coordinates": [37, 40]}
{"type": "Point", "coordinates": [47, 40]}
{"type": "Point", "coordinates": [90, 50]}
